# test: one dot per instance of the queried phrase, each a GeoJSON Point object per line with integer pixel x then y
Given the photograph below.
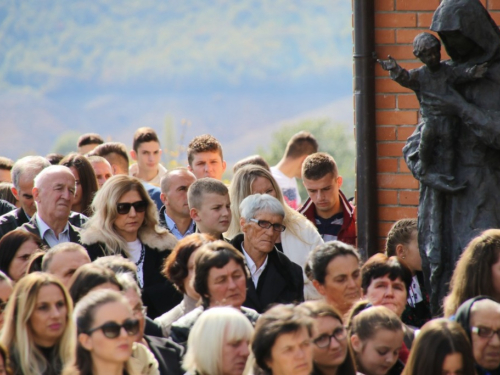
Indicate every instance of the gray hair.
{"type": "Point", "coordinates": [47, 171]}
{"type": "Point", "coordinates": [127, 281]}
{"type": "Point", "coordinates": [260, 202]}
{"type": "Point", "coordinates": [29, 167]}
{"type": "Point", "coordinates": [65, 247]}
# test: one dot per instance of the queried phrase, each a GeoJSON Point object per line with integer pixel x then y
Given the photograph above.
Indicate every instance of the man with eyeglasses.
{"type": "Point", "coordinates": [480, 318]}
{"type": "Point", "coordinates": [274, 277]}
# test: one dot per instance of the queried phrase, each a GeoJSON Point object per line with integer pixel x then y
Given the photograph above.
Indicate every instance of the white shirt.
{"type": "Point", "coordinates": [288, 187]}
{"type": "Point", "coordinates": [47, 234]}
{"type": "Point", "coordinates": [135, 250]}
{"type": "Point", "coordinates": [254, 272]}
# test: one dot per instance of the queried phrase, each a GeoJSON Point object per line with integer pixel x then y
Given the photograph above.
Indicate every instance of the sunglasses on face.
{"type": "Point", "coordinates": [124, 208]}
{"type": "Point", "coordinates": [112, 329]}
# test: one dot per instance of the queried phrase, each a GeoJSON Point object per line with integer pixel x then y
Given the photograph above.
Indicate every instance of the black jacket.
{"type": "Point", "coordinates": [281, 281]}
{"type": "Point", "coordinates": [167, 353]}
{"type": "Point", "coordinates": [158, 294]}
{"type": "Point", "coordinates": [32, 226]}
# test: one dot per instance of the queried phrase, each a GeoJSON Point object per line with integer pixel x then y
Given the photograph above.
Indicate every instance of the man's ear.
{"type": "Point", "coordinates": [190, 169]}
{"type": "Point", "coordinates": [223, 166]}
{"type": "Point", "coordinates": [243, 224]}
{"type": "Point", "coordinates": [339, 181]}
{"type": "Point", "coordinates": [15, 192]}
{"type": "Point", "coordinates": [193, 212]}
{"type": "Point", "coordinates": [163, 198]}
{"type": "Point", "coordinates": [133, 154]}
{"type": "Point", "coordinates": [36, 194]}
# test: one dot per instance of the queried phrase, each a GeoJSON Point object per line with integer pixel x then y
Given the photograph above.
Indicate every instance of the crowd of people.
{"type": "Point", "coordinates": [107, 268]}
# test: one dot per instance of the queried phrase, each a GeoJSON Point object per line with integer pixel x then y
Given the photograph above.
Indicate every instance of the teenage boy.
{"type": "Point", "coordinates": [205, 157]}
{"type": "Point", "coordinates": [146, 151]}
{"type": "Point", "coordinates": [210, 206]}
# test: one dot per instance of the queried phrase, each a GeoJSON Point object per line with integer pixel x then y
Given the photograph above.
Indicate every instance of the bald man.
{"type": "Point", "coordinates": [174, 215]}
{"type": "Point", "coordinates": [54, 193]}
{"type": "Point", "coordinates": [63, 260]}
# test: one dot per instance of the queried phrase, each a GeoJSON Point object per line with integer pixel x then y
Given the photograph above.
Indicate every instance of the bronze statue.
{"type": "Point", "coordinates": [455, 208]}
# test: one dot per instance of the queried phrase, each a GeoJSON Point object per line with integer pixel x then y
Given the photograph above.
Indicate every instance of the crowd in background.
{"type": "Point", "coordinates": [112, 268]}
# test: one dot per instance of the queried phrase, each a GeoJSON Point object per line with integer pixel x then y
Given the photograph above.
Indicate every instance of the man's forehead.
{"type": "Point", "coordinates": [485, 312]}
{"type": "Point", "coordinates": [148, 146]}
{"type": "Point", "coordinates": [207, 155]}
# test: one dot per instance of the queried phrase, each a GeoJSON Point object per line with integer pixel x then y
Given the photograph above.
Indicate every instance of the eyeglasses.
{"type": "Point", "coordinates": [124, 208]}
{"type": "Point", "coordinates": [485, 332]}
{"type": "Point", "coordinates": [112, 329]}
{"type": "Point", "coordinates": [324, 340]}
{"type": "Point", "coordinates": [267, 224]}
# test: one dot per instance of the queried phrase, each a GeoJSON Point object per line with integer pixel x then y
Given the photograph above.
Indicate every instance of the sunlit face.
{"type": "Point", "coordinates": [258, 238]}
{"type": "Point", "coordinates": [392, 294]}
{"type": "Point", "coordinates": [208, 164]}
{"type": "Point", "coordinates": [214, 215]}
{"type": "Point", "coordinates": [127, 225]}
{"type": "Point", "coordinates": [19, 264]}
{"type": "Point", "coordinates": [334, 354]}
{"type": "Point", "coordinates": [103, 172]}
{"type": "Point", "coordinates": [227, 286]}
{"type": "Point", "coordinates": [342, 286]}
{"type": "Point", "coordinates": [262, 185]}
{"type": "Point", "coordinates": [175, 198]}
{"type": "Point", "coordinates": [103, 349]}
{"type": "Point", "coordinates": [55, 195]}
{"type": "Point", "coordinates": [325, 194]}
{"type": "Point", "coordinates": [148, 156]}
{"type": "Point", "coordinates": [453, 364]}
{"type": "Point", "coordinates": [49, 318]}
{"type": "Point", "coordinates": [64, 264]}
{"type": "Point", "coordinates": [234, 356]}
{"type": "Point", "coordinates": [188, 284]}
{"type": "Point", "coordinates": [25, 196]}
{"type": "Point", "coordinates": [79, 189]}
{"type": "Point", "coordinates": [378, 354]}
{"type": "Point", "coordinates": [292, 354]}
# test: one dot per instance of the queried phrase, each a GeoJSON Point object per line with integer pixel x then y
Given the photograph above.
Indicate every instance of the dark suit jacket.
{"type": "Point", "coordinates": [32, 226]}
{"type": "Point", "coordinates": [167, 353]}
{"type": "Point", "coordinates": [281, 281]}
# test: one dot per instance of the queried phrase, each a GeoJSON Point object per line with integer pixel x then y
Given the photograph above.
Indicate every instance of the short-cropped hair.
{"type": "Point", "coordinates": [400, 234]}
{"type": "Point", "coordinates": [260, 203]}
{"type": "Point", "coordinates": [215, 254]}
{"type": "Point", "coordinates": [251, 160]}
{"type": "Point", "coordinates": [175, 267]}
{"type": "Point", "coordinates": [278, 320]}
{"type": "Point", "coordinates": [117, 264]}
{"type": "Point", "coordinates": [143, 135]}
{"type": "Point", "coordinates": [89, 139]}
{"type": "Point", "coordinates": [203, 143]}
{"type": "Point", "coordinates": [202, 186]}
{"type": "Point", "coordinates": [322, 255]}
{"type": "Point", "coordinates": [6, 163]}
{"type": "Point", "coordinates": [54, 158]}
{"type": "Point", "coordinates": [318, 165]}
{"type": "Point", "coordinates": [380, 265]}
{"type": "Point", "coordinates": [302, 143]}
{"type": "Point", "coordinates": [214, 328]}
{"type": "Point", "coordinates": [113, 152]}
{"type": "Point", "coordinates": [65, 247]}
{"type": "Point", "coordinates": [28, 167]}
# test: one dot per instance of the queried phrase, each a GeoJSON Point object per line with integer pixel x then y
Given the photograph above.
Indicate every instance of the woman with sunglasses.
{"type": "Point", "coordinates": [106, 330]}
{"type": "Point", "coordinates": [39, 334]}
{"type": "Point", "coordinates": [331, 352]}
{"type": "Point", "coordinates": [125, 222]}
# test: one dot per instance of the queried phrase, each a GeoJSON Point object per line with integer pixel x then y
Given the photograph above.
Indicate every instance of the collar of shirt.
{"type": "Point", "coordinates": [175, 231]}
{"type": "Point", "coordinates": [51, 237]}
{"type": "Point", "coordinates": [254, 272]}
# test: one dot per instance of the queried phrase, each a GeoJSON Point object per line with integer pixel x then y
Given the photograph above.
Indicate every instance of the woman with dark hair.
{"type": "Point", "coordinates": [91, 277]}
{"type": "Point", "coordinates": [179, 269]}
{"type": "Point", "coordinates": [86, 182]}
{"type": "Point", "coordinates": [125, 222]}
{"type": "Point", "coordinates": [106, 329]}
{"type": "Point", "coordinates": [16, 249]}
{"type": "Point", "coordinates": [477, 272]}
{"type": "Point", "coordinates": [441, 348]}
{"type": "Point", "coordinates": [281, 343]}
{"type": "Point", "coordinates": [220, 278]}
{"type": "Point", "coordinates": [40, 334]}
{"type": "Point", "coordinates": [331, 352]}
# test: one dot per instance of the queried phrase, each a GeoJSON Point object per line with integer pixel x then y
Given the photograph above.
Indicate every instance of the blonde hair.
{"type": "Point", "coordinates": [17, 335]}
{"type": "Point", "coordinates": [241, 187]}
{"type": "Point", "coordinates": [105, 213]}
{"type": "Point", "coordinates": [212, 329]}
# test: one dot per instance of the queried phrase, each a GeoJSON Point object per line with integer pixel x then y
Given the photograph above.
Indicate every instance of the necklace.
{"type": "Point", "coordinates": [143, 254]}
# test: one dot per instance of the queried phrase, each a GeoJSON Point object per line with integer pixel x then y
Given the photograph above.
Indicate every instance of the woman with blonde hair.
{"type": "Point", "coordinates": [40, 335]}
{"type": "Point", "coordinates": [300, 236]}
{"type": "Point", "coordinates": [125, 222]}
{"type": "Point", "coordinates": [477, 272]}
{"type": "Point", "coordinates": [219, 343]}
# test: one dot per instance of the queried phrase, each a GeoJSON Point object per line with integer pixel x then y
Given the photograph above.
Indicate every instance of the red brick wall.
{"type": "Point", "coordinates": [397, 22]}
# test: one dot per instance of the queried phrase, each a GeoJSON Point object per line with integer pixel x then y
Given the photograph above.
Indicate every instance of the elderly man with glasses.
{"type": "Point", "coordinates": [274, 277]}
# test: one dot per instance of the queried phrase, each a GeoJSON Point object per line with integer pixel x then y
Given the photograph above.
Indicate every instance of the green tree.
{"type": "Point", "coordinates": [333, 138]}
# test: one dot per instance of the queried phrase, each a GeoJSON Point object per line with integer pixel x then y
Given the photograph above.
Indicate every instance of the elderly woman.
{"type": "Point", "coordinates": [179, 269]}
{"type": "Point", "coordinates": [300, 237]}
{"type": "Point", "coordinates": [273, 277]}
{"type": "Point", "coordinates": [221, 280]}
{"type": "Point", "coordinates": [125, 222]}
